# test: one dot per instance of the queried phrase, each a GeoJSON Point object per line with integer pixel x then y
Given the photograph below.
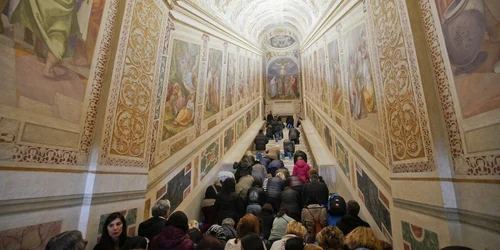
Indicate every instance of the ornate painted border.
{"type": "Point", "coordinates": [485, 165]}
{"type": "Point", "coordinates": [30, 154]}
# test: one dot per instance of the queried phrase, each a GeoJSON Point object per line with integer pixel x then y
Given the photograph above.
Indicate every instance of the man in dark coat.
{"type": "Point", "coordinates": [315, 188]}
{"type": "Point", "coordinates": [269, 132]}
{"type": "Point", "coordinates": [351, 220]}
{"type": "Point", "coordinates": [288, 147]}
{"type": "Point", "coordinates": [289, 122]}
{"type": "Point", "coordinates": [154, 225]}
{"type": "Point", "coordinates": [270, 117]}
{"type": "Point", "coordinates": [260, 141]}
{"type": "Point", "coordinates": [273, 190]}
{"type": "Point", "coordinates": [273, 166]}
{"type": "Point", "coordinates": [293, 135]}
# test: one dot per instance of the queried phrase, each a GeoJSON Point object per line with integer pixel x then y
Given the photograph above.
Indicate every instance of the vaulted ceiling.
{"type": "Point", "coordinates": [253, 19]}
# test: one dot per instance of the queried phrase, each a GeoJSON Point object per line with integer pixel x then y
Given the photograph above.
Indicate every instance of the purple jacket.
{"type": "Point", "coordinates": [172, 238]}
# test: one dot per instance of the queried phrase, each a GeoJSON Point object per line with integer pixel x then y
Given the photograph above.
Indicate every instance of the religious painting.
{"type": "Point", "coordinates": [240, 127]}
{"type": "Point", "coordinates": [283, 79]}
{"type": "Point", "coordinates": [181, 92]}
{"type": "Point", "coordinates": [241, 79]}
{"type": "Point", "coordinates": [323, 90]}
{"type": "Point", "coordinates": [229, 138]}
{"type": "Point", "coordinates": [335, 77]}
{"type": "Point", "coordinates": [343, 158]}
{"type": "Point", "coordinates": [230, 80]}
{"type": "Point", "coordinates": [30, 237]}
{"type": "Point", "coordinates": [209, 158]}
{"type": "Point", "coordinates": [281, 41]}
{"type": "Point", "coordinates": [45, 61]}
{"type": "Point", "coordinates": [249, 84]}
{"type": "Point", "coordinates": [475, 55]}
{"type": "Point", "coordinates": [256, 78]}
{"type": "Point", "coordinates": [213, 83]}
{"type": "Point", "coordinates": [362, 100]}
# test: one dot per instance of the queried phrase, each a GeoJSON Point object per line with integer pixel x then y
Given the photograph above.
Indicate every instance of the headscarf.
{"type": "Point", "coordinates": [216, 231]}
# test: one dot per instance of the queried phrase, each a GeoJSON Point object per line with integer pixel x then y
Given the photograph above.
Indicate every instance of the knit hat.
{"type": "Point", "coordinates": [216, 231]}
{"type": "Point", "coordinates": [179, 220]}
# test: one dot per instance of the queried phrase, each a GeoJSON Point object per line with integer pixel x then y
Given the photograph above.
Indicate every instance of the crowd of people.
{"type": "Point", "coordinates": [259, 206]}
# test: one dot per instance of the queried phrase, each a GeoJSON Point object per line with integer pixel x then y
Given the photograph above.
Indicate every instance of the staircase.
{"type": "Point", "coordinates": [302, 146]}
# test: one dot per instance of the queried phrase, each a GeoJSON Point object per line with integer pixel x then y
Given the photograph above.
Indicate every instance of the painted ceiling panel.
{"type": "Point", "coordinates": [252, 18]}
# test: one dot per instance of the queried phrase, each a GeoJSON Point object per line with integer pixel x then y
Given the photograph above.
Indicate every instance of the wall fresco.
{"type": "Point", "coordinates": [230, 80]}
{"type": "Point", "coordinates": [209, 158]}
{"type": "Point", "coordinates": [177, 187]}
{"type": "Point", "coordinates": [31, 237]}
{"type": "Point", "coordinates": [213, 83]}
{"type": "Point", "coordinates": [417, 238]}
{"type": "Point", "coordinates": [337, 99]}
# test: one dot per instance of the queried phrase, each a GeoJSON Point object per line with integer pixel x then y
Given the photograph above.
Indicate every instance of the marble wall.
{"type": "Point", "coordinates": [402, 127]}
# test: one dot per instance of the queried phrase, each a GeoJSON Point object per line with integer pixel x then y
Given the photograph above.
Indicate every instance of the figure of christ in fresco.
{"type": "Point", "coordinates": [282, 65]}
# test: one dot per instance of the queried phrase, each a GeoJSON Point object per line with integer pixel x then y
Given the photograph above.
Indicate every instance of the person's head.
{"type": "Point", "coordinates": [283, 211]}
{"type": "Point", "coordinates": [331, 238]}
{"type": "Point", "coordinates": [353, 207]}
{"type": "Point", "coordinates": [362, 237]}
{"type": "Point", "coordinates": [294, 243]}
{"type": "Point", "coordinates": [136, 242]}
{"type": "Point", "coordinates": [209, 243]}
{"type": "Point", "coordinates": [161, 208]}
{"type": "Point", "coordinates": [257, 182]}
{"type": "Point", "coordinates": [281, 175]}
{"type": "Point", "coordinates": [251, 241]}
{"type": "Point", "coordinates": [193, 224]}
{"type": "Point", "coordinates": [67, 240]}
{"type": "Point", "coordinates": [296, 228]}
{"type": "Point", "coordinates": [261, 131]}
{"type": "Point", "coordinates": [314, 177]}
{"type": "Point", "coordinates": [179, 220]}
{"type": "Point", "coordinates": [268, 207]}
{"type": "Point", "coordinates": [114, 229]}
{"type": "Point", "coordinates": [228, 186]}
{"type": "Point", "coordinates": [228, 222]}
{"type": "Point", "coordinates": [216, 231]}
{"type": "Point", "coordinates": [248, 224]}
{"type": "Point", "coordinates": [300, 158]}
{"type": "Point", "coordinates": [312, 200]}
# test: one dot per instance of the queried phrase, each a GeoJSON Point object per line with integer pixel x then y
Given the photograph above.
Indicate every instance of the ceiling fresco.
{"type": "Point", "coordinates": [281, 41]}
{"type": "Point", "coordinates": [253, 18]}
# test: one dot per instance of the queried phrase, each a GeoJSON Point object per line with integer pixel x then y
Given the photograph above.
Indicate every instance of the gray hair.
{"type": "Point", "coordinates": [228, 222]}
{"type": "Point", "coordinates": [67, 240]}
{"type": "Point", "coordinates": [161, 208]}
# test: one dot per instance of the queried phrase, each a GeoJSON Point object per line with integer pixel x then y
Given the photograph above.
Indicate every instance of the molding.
{"type": "Point", "coordinates": [484, 221]}
{"type": "Point", "coordinates": [456, 180]}
{"type": "Point", "coordinates": [103, 198]}
{"type": "Point", "coordinates": [28, 205]}
{"type": "Point", "coordinates": [66, 171]}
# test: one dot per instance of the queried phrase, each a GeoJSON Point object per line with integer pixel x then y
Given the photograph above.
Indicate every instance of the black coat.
{"type": "Point", "coordinates": [350, 222]}
{"type": "Point", "coordinates": [151, 227]}
{"type": "Point", "coordinates": [288, 146]}
{"type": "Point", "coordinates": [226, 205]}
{"type": "Point", "coordinates": [274, 187]}
{"type": "Point", "coordinates": [269, 132]}
{"type": "Point", "coordinates": [289, 120]}
{"type": "Point", "coordinates": [260, 142]}
{"type": "Point", "coordinates": [256, 195]}
{"type": "Point", "coordinates": [264, 161]}
{"type": "Point", "coordinates": [242, 169]}
{"type": "Point", "coordinates": [317, 189]}
{"type": "Point", "coordinates": [291, 200]}
{"type": "Point", "coordinates": [293, 134]}
{"type": "Point", "coordinates": [270, 117]}
{"type": "Point", "coordinates": [276, 164]}
{"type": "Point", "coordinates": [266, 219]}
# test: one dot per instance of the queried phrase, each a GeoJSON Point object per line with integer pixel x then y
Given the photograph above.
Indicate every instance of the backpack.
{"type": "Point", "coordinates": [315, 229]}
{"type": "Point", "coordinates": [336, 205]}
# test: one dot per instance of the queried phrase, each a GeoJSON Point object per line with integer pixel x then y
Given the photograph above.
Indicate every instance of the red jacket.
{"type": "Point", "coordinates": [301, 169]}
{"type": "Point", "coordinates": [172, 238]}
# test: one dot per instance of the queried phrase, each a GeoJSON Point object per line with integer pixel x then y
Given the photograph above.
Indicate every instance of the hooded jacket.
{"type": "Point", "coordinates": [350, 222]}
{"type": "Point", "coordinates": [260, 142]}
{"type": "Point", "coordinates": [301, 169]}
{"type": "Point", "coordinates": [172, 238]}
{"type": "Point", "coordinates": [291, 200]}
{"type": "Point", "coordinates": [293, 134]}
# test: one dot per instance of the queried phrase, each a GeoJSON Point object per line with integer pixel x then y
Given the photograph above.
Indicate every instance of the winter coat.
{"type": "Point", "coordinates": [195, 235]}
{"type": "Point", "coordinates": [301, 154]}
{"type": "Point", "coordinates": [281, 124]}
{"type": "Point", "coordinates": [276, 164]}
{"type": "Point", "coordinates": [259, 173]}
{"type": "Point", "coordinates": [226, 205]}
{"type": "Point", "coordinates": [101, 246]}
{"type": "Point", "coordinates": [289, 120]}
{"type": "Point", "coordinates": [274, 153]}
{"type": "Point", "coordinates": [350, 222]}
{"type": "Point", "coordinates": [269, 132]}
{"type": "Point", "coordinates": [242, 169]}
{"type": "Point", "coordinates": [274, 124]}
{"type": "Point", "coordinates": [301, 169]}
{"type": "Point", "coordinates": [318, 212]}
{"type": "Point", "coordinates": [266, 219]}
{"type": "Point", "coordinates": [243, 185]}
{"type": "Point", "coordinates": [256, 195]}
{"type": "Point", "coordinates": [293, 134]}
{"type": "Point", "coordinates": [288, 146]}
{"type": "Point", "coordinates": [317, 189]}
{"type": "Point", "coordinates": [291, 200]}
{"type": "Point", "coordinates": [265, 160]}
{"type": "Point", "coordinates": [284, 171]}
{"type": "Point", "coordinates": [229, 232]}
{"type": "Point", "coordinates": [212, 191]}
{"type": "Point", "coordinates": [254, 209]}
{"type": "Point", "coordinates": [270, 117]}
{"type": "Point", "coordinates": [260, 142]}
{"type": "Point", "coordinates": [294, 181]}
{"type": "Point", "coordinates": [152, 227]}
{"type": "Point", "coordinates": [279, 227]}
{"type": "Point", "coordinates": [274, 187]}
{"type": "Point", "coordinates": [172, 238]}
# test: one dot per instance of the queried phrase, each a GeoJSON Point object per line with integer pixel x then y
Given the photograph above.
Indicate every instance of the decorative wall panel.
{"type": "Point", "coordinates": [178, 187]}
{"type": "Point", "coordinates": [209, 158]}
{"type": "Point", "coordinates": [469, 91]}
{"type": "Point", "coordinates": [30, 237]}
{"type": "Point", "coordinates": [60, 89]}
{"type": "Point", "coordinates": [416, 237]}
